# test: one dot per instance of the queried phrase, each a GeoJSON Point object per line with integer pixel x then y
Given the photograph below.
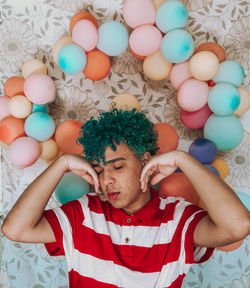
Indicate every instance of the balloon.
{"type": "Point", "coordinates": [4, 110]}
{"type": "Point", "coordinates": [49, 149]}
{"type": "Point", "coordinates": [158, 3]}
{"type": "Point", "coordinates": [226, 132]}
{"type": "Point", "coordinates": [203, 150]}
{"type": "Point", "coordinates": [193, 95]}
{"type": "Point", "coordinates": [66, 135]}
{"type": "Point", "coordinates": [80, 16]}
{"type": "Point", "coordinates": [204, 65]}
{"type": "Point", "coordinates": [179, 73]}
{"type": "Point", "coordinates": [244, 102]}
{"type": "Point", "coordinates": [230, 72]}
{"type": "Point", "coordinates": [14, 86]}
{"type": "Point", "coordinates": [33, 66]}
{"type": "Point", "coordinates": [113, 38]}
{"type": "Point", "coordinates": [63, 41]}
{"type": "Point", "coordinates": [139, 12]}
{"type": "Point", "coordinates": [39, 88]}
{"type": "Point", "coordinates": [196, 119]}
{"type": "Point", "coordinates": [71, 187]}
{"type": "Point", "coordinates": [221, 167]}
{"type": "Point", "coordinates": [178, 185]}
{"type": "Point", "coordinates": [20, 106]}
{"type": "Point", "coordinates": [177, 46]}
{"type": "Point", "coordinates": [136, 55]}
{"type": "Point", "coordinates": [98, 65]}
{"type": "Point", "coordinates": [24, 152]}
{"type": "Point", "coordinates": [85, 35]}
{"type": "Point", "coordinates": [171, 15]}
{"type": "Point", "coordinates": [213, 47]}
{"type": "Point", "coordinates": [245, 199]}
{"type": "Point", "coordinates": [145, 40]}
{"type": "Point", "coordinates": [213, 169]}
{"type": "Point", "coordinates": [231, 247]}
{"type": "Point", "coordinates": [125, 102]}
{"type": "Point", "coordinates": [167, 137]}
{"type": "Point", "coordinates": [10, 129]}
{"type": "Point", "coordinates": [40, 108]}
{"type": "Point", "coordinates": [223, 99]}
{"type": "Point", "coordinates": [39, 126]}
{"type": "Point", "coordinates": [156, 67]}
{"type": "Point", "coordinates": [72, 59]}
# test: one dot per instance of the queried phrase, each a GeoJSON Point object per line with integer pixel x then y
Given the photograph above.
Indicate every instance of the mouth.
{"type": "Point", "coordinates": [113, 195]}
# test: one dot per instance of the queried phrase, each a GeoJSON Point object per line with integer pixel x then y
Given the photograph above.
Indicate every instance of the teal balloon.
{"type": "Point", "coordinates": [40, 126]}
{"type": "Point", "coordinates": [171, 15]}
{"type": "Point", "coordinates": [40, 108]}
{"type": "Point", "coordinates": [245, 199]}
{"type": "Point", "coordinates": [72, 59]}
{"type": "Point", "coordinates": [225, 131]}
{"type": "Point", "coordinates": [230, 72]}
{"type": "Point", "coordinates": [223, 99]}
{"type": "Point", "coordinates": [177, 46]}
{"type": "Point", "coordinates": [71, 187]}
{"type": "Point", "coordinates": [113, 38]}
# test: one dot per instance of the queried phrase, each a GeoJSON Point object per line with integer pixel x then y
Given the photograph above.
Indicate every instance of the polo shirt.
{"type": "Point", "coordinates": [105, 247]}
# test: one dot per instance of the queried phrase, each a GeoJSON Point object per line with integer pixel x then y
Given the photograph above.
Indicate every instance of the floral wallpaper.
{"type": "Point", "coordinates": [28, 29]}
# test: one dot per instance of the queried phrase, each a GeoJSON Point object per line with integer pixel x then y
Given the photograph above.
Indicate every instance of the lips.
{"type": "Point", "coordinates": [113, 195]}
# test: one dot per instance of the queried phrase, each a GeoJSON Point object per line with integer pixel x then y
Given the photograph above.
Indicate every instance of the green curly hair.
{"type": "Point", "coordinates": [114, 127]}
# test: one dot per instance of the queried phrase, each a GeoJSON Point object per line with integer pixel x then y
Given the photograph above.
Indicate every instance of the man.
{"type": "Point", "coordinates": [129, 236]}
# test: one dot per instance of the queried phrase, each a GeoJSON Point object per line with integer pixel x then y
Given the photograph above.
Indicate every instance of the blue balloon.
{"type": "Point", "coordinates": [72, 59]}
{"type": "Point", "coordinates": [213, 169]}
{"type": "Point", "coordinates": [40, 108]}
{"type": "Point", "coordinates": [113, 38]}
{"type": "Point", "coordinates": [171, 15]}
{"type": "Point", "coordinates": [223, 99]}
{"type": "Point", "coordinates": [177, 46]}
{"type": "Point", "coordinates": [40, 126]}
{"type": "Point", "coordinates": [71, 187]}
{"type": "Point", "coordinates": [203, 150]}
{"type": "Point", "coordinates": [230, 72]}
{"type": "Point", "coordinates": [225, 131]}
{"type": "Point", "coordinates": [245, 199]}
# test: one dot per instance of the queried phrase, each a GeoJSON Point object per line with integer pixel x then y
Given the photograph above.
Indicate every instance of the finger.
{"type": "Point", "coordinates": [146, 179]}
{"type": "Point", "coordinates": [157, 178]}
{"type": "Point", "coordinates": [95, 181]}
{"type": "Point", "coordinates": [146, 168]}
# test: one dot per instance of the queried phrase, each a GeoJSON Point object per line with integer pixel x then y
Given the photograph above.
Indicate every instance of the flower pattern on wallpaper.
{"type": "Point", "coordinates": [196, 4]}
{"type": "Point", "coordinates": [17, 44]}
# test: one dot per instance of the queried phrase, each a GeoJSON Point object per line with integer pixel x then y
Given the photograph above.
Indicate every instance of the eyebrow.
{"type": "Point", "coordinates": [110, 161]}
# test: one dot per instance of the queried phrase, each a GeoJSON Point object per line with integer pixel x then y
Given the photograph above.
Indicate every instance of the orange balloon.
{"type": "Point", "coordinates": [14, 86]}
{"type": "Point", "coordinates": [178, 185]}
{"type": "Point", "coordinates": [231, 247]}
{"type": "Point", "coordinates": [222, 167]}
{"type": "Point", "coordinates": [167, 137]}
{"type": "Point", "coordinates": [213, 47]}
{"type": "Point", "coordinates": [11, 128]}
{"type": "Point", "coordinates": [140, 57]}
{"type": "Point", "coordinates": [82, 16]}
{"type": "Point", "coordinates": [66, 135]}
{"type": "Point", "coordinates": [98, 65]}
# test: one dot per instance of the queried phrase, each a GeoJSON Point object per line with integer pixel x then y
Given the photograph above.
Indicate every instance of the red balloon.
{"type": "Point", "coordinates": [231, 247]}
{"type": "Point", "coordinates": [11, 128]}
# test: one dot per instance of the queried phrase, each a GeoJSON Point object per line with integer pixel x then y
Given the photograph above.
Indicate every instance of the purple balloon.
{"type": "Point", "coordinates": [203, 150]}
{"type": "Point", "coordinates": [213, 169]}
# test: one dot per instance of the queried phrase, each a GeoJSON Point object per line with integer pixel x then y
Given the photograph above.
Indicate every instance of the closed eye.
{"type": "Point", "coordinates": [119, 167]}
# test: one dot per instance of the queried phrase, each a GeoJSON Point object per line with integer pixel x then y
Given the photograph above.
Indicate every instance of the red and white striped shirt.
{"type": "Point", "coordinates": [105, 247]}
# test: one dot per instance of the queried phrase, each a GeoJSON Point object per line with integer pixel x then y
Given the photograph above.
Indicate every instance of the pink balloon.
{"type": "Point", "coordinates": [4, 110]}
{"type": "Point", "coordinates": [39, 88]}
{"type": "Point", "coordinates": [196, 119]}
{"type": "Point", "coordinates": [193, 95]}
{"type": "Point", "coordinates": [85, 35]}
{"type": "Point", "coordinates": [180, 73]}
{"type": "Point", "coordinates": [24, 151]}
{"type": "Point", "coordinates": [145, 40]}
{"type": "Point", "coordinates": [139, 12]}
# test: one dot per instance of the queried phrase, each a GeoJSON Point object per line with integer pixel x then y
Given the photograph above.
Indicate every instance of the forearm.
{"type": "Point", "coordinates": [28, 210]}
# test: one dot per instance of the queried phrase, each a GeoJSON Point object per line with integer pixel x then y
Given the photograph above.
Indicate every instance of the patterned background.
{"type": "Point", "coordinates": [29, 28]}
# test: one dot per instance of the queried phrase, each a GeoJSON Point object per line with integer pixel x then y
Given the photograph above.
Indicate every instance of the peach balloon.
{"type": "Point", "coordinates": [60, 153]}
{"type": "Point", "coordinates": [139, 12]}
{"type": "Point", "coordinates": [213, 47]}
{"type": "Point", "coordinates": [81, 16]}
{"type": "Point", "coordinates": [145, 40]}
{"type": "Point", "coordinates": [231, 247]}
{"type": "Point", "coordinates": [63, 41]}
{"type": "Point", "coordinates": [11, 128]}
{"type": "Point", "coordinates": [158, 3]}
{"type": "Point", "coordinates": [4, 109]}
{"type": "Point", "coordinates": [244, 102]}
{"type": "Point", "coordinates": [85, 35]}
{"type": "Point", "coordinates": [49, 149]}
{"type": "Point", "coordinates": [222, 167]}
{"type": "Point", "coordinates": [156, 67]}
{"type": "Point", "coordinates": [33, 66]}
{"type": "Point", "coordinates": [14, 86]}
{"type": "Point", "coordinates": [204, 65]}
{"type": "Point", "coordinates": [24, 152]}
{"type": "Point", "coordinates": [193, 95]}
{"type": "Point", "coordinates": [179, 73]}
{"type": "Point", "coordinates": [20, 106]}
{"type": "Point", "coordinates": [125, 102]}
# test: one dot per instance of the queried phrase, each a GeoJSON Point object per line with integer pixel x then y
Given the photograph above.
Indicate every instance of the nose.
{"type": "Point", "coordinates": [108, 178]}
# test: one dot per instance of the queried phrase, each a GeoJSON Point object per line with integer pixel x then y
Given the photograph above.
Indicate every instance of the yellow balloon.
{"type": "Point", "coordinates": [204, 65]}
{"type": "Point", "coordinates": [158, 3]}
{"type": "Point", "coordinates": [244, 102]}
{"type": "Point", "coordinates": [19, 106]}
{"type": "Point", "coordinates": [52, 160]}
{"type": "Point", "coordinates": [125, 102]}
{"type": "Point", "coordinates": [222, 167]}
{"type": "Point", "coordinates": [49, 149]}
{"type": "Point", "coordinates": [156, 67]}
{"type": "Point", "coordinates": [33, 66]}
{"type": "Point", "coordinates": [63, 41]}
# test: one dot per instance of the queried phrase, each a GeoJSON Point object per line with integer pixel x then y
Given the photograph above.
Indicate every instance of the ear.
{"type": "Point", "coordinates": [145, 158]}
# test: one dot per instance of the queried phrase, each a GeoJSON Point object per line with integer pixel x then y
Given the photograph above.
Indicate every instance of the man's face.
{"type": "Point", "coordinates": [119, 179]}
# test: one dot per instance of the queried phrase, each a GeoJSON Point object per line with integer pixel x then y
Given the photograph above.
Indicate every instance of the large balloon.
{"type": "Point", "coordinates": [4, 110]}
{"type": "Point", "coordinates": [14, 86]}
{"type": "Point", "coordinates": [203, 150]}
{"type": "Point", "coordinates": [167, 137]}
{"type": "Point", "coordinates": [81, 16]}
{"type": "Point", "coordinates": [125, 102]}
{"type": "Point", "coordinates": [33, 66]}
{"type": "Point", "coordinates": [213, 47]}
{"type": "Point", "coordinates": [11, 128]}
{"type": "Point", "coordinates": [180, 73]}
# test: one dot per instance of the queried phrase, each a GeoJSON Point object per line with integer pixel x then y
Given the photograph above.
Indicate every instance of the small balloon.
{"type": "Point", "coordinates": [4, 103]}
{"type": "Point", "coordinates": [244, 102]}
{"type": "Point", "coordinates": [82, 16]}
{"type": "Point", "coordinates": [221, 167]}
{"type": "Point", "coordinates": [40, 108]}
{"type": "Point", "coordinates": [11, 128]}
{"type": "Point", "coordinates": [33, 66]}
{"type": "Point", "coordinates": [125, 102]}
{"type": "Point", "coordinates": [49, 149]}
{"type": "Point", "coordinates": [180, 73]}
{"type": "Point", "coordinates": [213, 169]}
{"type": "Point", "coordinates": [14, 86]}
{"type": "Point", "coordinates": [213, 47]}
{"type": "Point", "coordinates": [63, 41]}
{"type": "Point", "coordinates": [203, 150]}
{"type": "Point", "coordinates": [20, 106]}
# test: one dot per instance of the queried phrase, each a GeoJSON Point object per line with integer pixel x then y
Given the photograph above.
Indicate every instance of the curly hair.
{"type": "Point", "coordinates": [114, 127]}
